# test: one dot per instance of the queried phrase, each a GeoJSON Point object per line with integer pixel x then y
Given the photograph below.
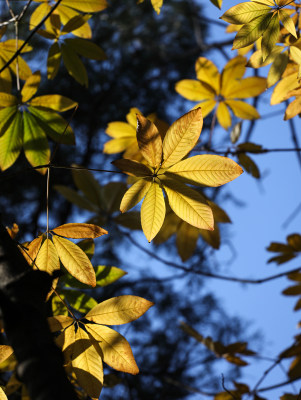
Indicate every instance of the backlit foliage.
{"type": "Point", "coordinates": [178, 191]}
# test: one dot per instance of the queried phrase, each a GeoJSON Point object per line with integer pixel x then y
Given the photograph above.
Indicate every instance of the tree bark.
{"type": "Point", "coordinates": [22, 301]}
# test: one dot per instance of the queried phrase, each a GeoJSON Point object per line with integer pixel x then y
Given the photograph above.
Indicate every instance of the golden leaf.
{"type": "Point", "coordinates": [119, 310]}
{"type": "Point", "coordinates": [75, 260]}
{"type": "Point", "coordinates": [47, 259]}
{"type": "Point", "coordinates": [135, 194]}
{"type": "Point", "coordinates": [79, 231]}
{"type": "Point", "coordinates": [149, 141]}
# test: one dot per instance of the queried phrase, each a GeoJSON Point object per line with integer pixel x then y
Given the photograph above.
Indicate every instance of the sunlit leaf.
{"type": "Point", "coordinates": [248, 87]}
{"type": "Point", "coordinates": [243, 110]}
{"type": "Point", "coordinates": [55, 102]}
{"type": "Point", "coordinates": [277, 68]}
{"type": "Point", "coordinates": [80, 301]}
{"type": "Point", "coordinates": [181, 137]}
{"type": "Point", "coordinates": [6, 118]}
{"type": "Point", "coordinates": [5, 352]}
{"type": "Point", "coordinates": [188, 204]}
{"type": "Point", "coordinates": [135, 194]}
{"type": "Point", "coordinates": [53, 60]}
{"type": "Point", "coordinates": [223, 115]}
{"type": "Point", "coordinates": [206, 71]}
{"type": "Point", "coordinates": [132, 167]}
{"type": "Point", "coordinates": [119, 310]}
{"type": "Point", "coordinates": [149, 141]}
{"type": "Point", "coordinates": [11, 142]}
{"type": "Point", "coordinates": [293, 109]}
{"type": "Point", "coordinates": [282, 89]}
{"type": "Point", "coordinates": [79, 231]}
{"type": "Point", "coordinates": [115, 348]}
{"type": "Point", "coordinates": [207, 170]}
{"type": "Point", "coordinates": [287, 22]}
{"type": "Point", "coordinates": [243, 13]}
{"type": "Point", "coordinates": [75, 260]}
{"type": "Point", "coordinates": [152, 211]}
{"type": "Point", "coordinates": [31, 86]}
{"type": "Point", "coordinates": [194, 90]}
{"type": "Point", "coordinates": [47, 259]}
{"type": "Point", "coordinates": [252, 31]}
{"type": "Point", "coordinates": [270, 37]}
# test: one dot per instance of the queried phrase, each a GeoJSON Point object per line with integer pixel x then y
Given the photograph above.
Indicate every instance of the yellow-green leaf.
{"type": "Point", "coordinates": [119, 310]}
{"type": "Point", "coordinates": [181, 137]}
{"type": "Point", "coordinates": [36, 145]}
{"type": "Point", "coordinates": [287, 22]}
{"type": "Point", "coordinates": [252, 31]}
{"type": "Point", "coordinates": [31, 86]}
{"type": "Point", "coordinates": [54, 125]}
{"type": "Point", "coordinates": [152, 211]}
{"type": "Point", "coordinates": [74, 65]}
{"type": "Point", "coordinates": [75, 260]}
{"type": "Point", "coordinates": [133, 168]}
{"type": "Point", "coordinates": [53, 60]}
{"type": "Point", "coordinates": [243, 13]}
{"type": "Point", "coordinates": [47, 259]}
{"type": "Point", "coordinates": [117, 352]}
{"type": "Point", "coordinates": [79, 231]}
{"type": "Point", "coordinates": [188, 204]}
{"type": "Point", "coordinates": [243, 110]}
{"type": "Point", "coordinates": [194, 90]}
{"type": "Point", "coordinates": [149, 141]}
{"type": "Point", "coordinates": [55, 102]}
{"type": "Point", "coordinates": [207, 170]}
{"type": "Point", "coordinates": [135, 194]}
{"type": "Point", "coordinates": [270, 37]}
{"type": "Point", "coordinates": [7, 100]}
{"type": "Point", "coordinates": [6, 116]}
{"type": "Point", "coordinates": [87, 364]}
{"type": "Point", "coordinates": [11, 142]}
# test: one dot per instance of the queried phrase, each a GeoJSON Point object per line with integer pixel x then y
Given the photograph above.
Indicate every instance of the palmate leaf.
{"type": "Point", "coordinates": [149, 141]}
{"type": "Point", "coordinates": [6, 116]}
{"type": "Point", "coordinates": [206, 71]}
{"type": "Point", "coordinates": [245, 12]}
{"type": "Point", "coordinates": [119, 310]}
{"type": "Point", "coordinates": [270, 37]}
{"type": "Point", "coordinates": [135, 194]}
{"type": "Point", "coordinates": [243, 110]}
{"type": "Point", "coordinates": [223, 115]}
{"type": "Point", "coordinates": [47, 259]}
{"type": "Point", "coordinates": [31, 86]}
{"type": "Point", "coordinates": [116, 350]}
{"type": "Point", "coordinates": [152, 211]}
{"type": "Point", "coordinates": [75, 260]}
{"type": "Point", "coordinates": [195, 90]}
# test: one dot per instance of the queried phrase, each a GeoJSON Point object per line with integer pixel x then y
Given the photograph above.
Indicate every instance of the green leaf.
{"type": "Point", "coordinates": [6, 117]}
{"type": "Point", "coordinates": [53, 60]}
{"type": "Point", "coordinates": [81, 302]}
{"type": "Point", "coordinates": [36, 146]}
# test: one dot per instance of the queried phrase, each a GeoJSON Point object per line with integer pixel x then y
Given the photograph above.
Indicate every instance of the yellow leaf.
{"type": "Point", "coordinates": [243, 110]}
{"type": "Point", "coordinates": [194, 90]}
{"type": "Point", "coordinates": [115, 348]}
{"type": "Point", "coordinates": [54, 102]}
{"type": "Point", "coordinates": [152, 211]}
{"type": "Point", "coordinates": [135, 194]}
{"type": "Point", "coordinates": [2, 395]}
{"type": "Point", "coordinates": [87, 364]}
{"type": "Point", "coordinates": [252, 31]}
{"type": "Point", "coordinates": [270, 37]}
{"type": "Point", "coordinates": [66, 14]}
{"type": "Point", "coordinates": [87, 6]}
{"type": "Point", "coordinates": [207, 170]}
{"type": "Point", "coordinates": [133, 168]}
{"type": "Point", "coordinates": [293, 109]}
{"type": "Point", "coordinates": [5, 352]}
{"type": "Point", "coordinates": [149, 141]}
{"type": "Point", "coordinates": [75, 260]}
{"type": "Point", "coordinates": [244, 88]}
{"type": "Point", "coordinates": [59, 322]}
{"type": "Point", "coordinates": [32, 249]}
{"type": "Point", "coordinates": [206, 106]}
{"type": "Point", "coordinates": [79, 231]}
{"type": "Point", "coordinates": [295, 53]}
{"type": "Point", "coordinates": [282, 89]}
{"type": "Point", "coordinates": [188, 204]}
{"type": "Point", "coordinates": [119, 310]}
{"type": "Point", "coordinates": [38, 14]}
{"type": "Point", "coordinates": [187, 236]}
{"type": "Point", "coordinates": [53, 60]}
{"type": "Point", "coordinates": [7, 100]}
{"type": "Point", "coordinates": [118, 145]}
{"type": "Point", "coordinates": [31, 86]}
{"type": "Point", "coordinates": [233, 70]}
{"type": "Point", "coordinates": [47, 259]}
{"type": "Point", "coordinates": [206, 71]}
{"type": "Point", "coordinates": [181, 137]}
{"type": "Point", "coordinates": [223, 115]}
{"type": "Point", "coordinates": [217, 3]}
{"type": "Point", "coordinates": [119, 129]}
{"type": "Point", "coordinates": [243, 13]}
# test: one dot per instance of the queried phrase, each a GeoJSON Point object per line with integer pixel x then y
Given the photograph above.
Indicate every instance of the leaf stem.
{"type": "Point", "coordinates": [47, 201]}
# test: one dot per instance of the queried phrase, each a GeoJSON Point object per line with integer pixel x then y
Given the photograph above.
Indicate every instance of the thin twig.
{"type": "Point", "coordinates": [204, 273]}
{"type": "Point", "coordinates": [226, 390]}
{"type": "Point", "coordinates": [47, 201]}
